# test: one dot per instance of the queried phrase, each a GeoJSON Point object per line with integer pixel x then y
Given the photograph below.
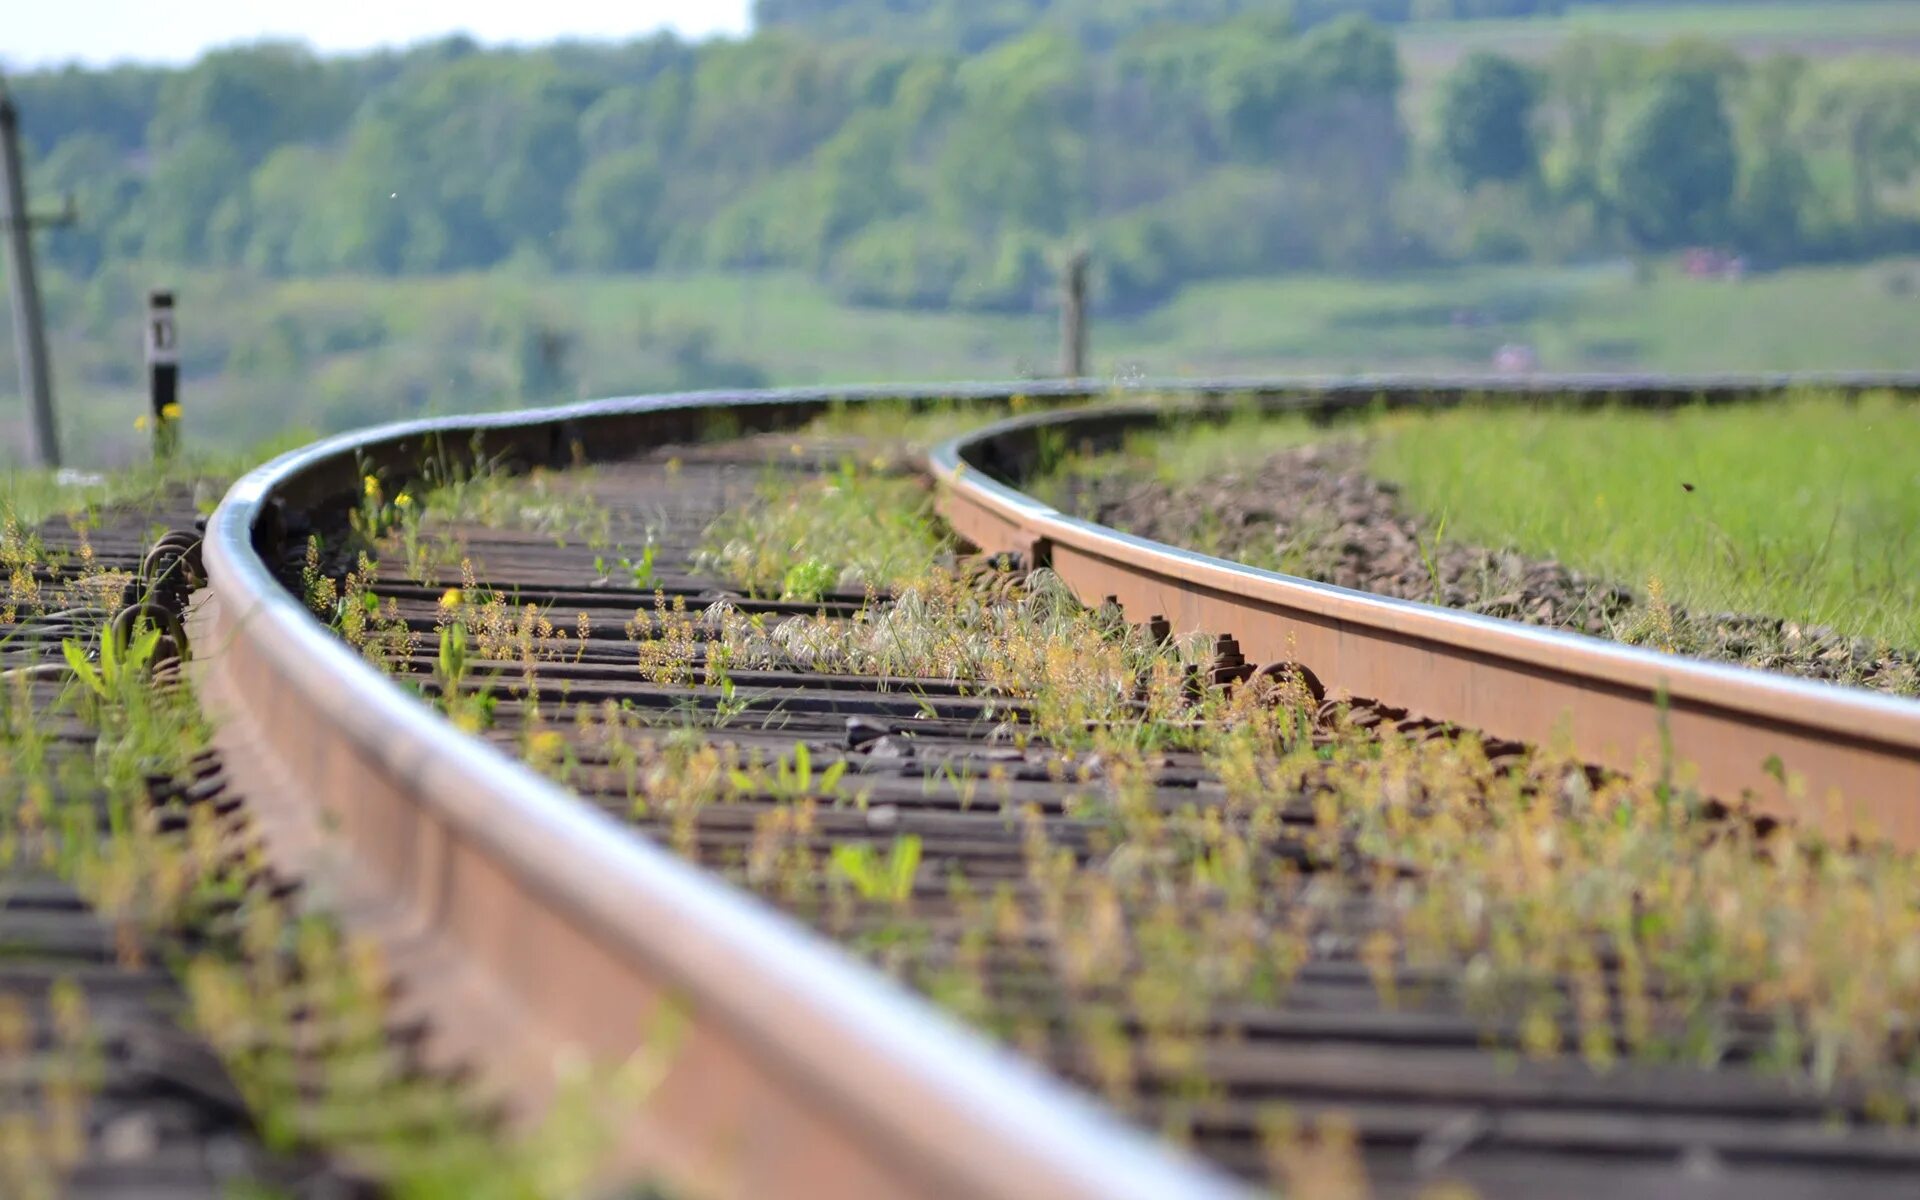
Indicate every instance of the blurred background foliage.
{"type": "Point", "coordinates": [939, 157]}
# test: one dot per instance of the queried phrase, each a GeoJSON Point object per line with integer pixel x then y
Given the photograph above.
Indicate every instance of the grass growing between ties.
{"type": "Point", "coordinates": [1613, 919]}
{"type": "Point", "coordinates": [541, 501]}
{"type": "Point", "coordinates": [867, 524]}
{"type": "Point", "coordinates": [855, 528]}
{"type": "Point", "coordinates": [1527, 876]}
{"type": "Point", "coordinates": [896, 434]}
{"type": "Point", "coordinates": [1808, 510]}
{"type": "Point", "coordinates": [1123, 932]}
{"type": "Point", "coordinates": [101, 750]}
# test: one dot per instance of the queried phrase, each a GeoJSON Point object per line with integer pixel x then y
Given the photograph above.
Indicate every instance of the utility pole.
{"type": "Point", "coordinates": [29, 331]}
{"type": "Point", "coordinates": [1073, 317]}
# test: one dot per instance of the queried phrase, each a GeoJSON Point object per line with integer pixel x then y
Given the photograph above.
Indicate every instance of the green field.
{"type": "Point", "coordinates": [1865, 23]}
{"type": "Point", "coordinates": [264, 357]}
{"type": "Point", "coordinates": [1808, 510]}
{"type": "Point", "coordinates": [1819, 30]}
{"type": "Point", "coordinates": [1805, 509]}
{"type": "Point", "coordinates": [1838, 30]}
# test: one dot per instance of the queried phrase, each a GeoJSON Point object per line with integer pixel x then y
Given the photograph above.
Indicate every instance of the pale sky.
{"type": "Point", "coordinates": [43, 32]}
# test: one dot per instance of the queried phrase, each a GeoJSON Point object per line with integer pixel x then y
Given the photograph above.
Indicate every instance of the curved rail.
{"type": "Point", "coordinates": [532, 928]}
{"type": "Point", "coordinates": [1792, 747]}
{"type": "Point", "coordinates": [526, 926]}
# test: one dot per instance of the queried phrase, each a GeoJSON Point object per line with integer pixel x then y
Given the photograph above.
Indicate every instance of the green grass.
{"type": "Point", "coordinates": [450, 344]}
{"type": "Point", "coordinates": [1576, 318]}
{"type": "Point", "coordinates": [1808, 511]}
{"type": "Point", "coordinates": [261, 980]}
{"type": "Point", "coordinates": [1796, 22]}
{"type": "Point", "coordinates": [29, 496]}
{"type": "Point", "coordinates": [851, 529]}
{"type": "Point", "coordinates": [1836, 29]}
{"type": "Point", "coordinates": [1594, 922]}
{"type": "Point", "coordinates": [1188, 452]}
{"type": "Point", "coordinates": [892, 426]}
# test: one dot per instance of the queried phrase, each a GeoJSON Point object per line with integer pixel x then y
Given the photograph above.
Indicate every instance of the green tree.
{"type": "Point", "coordinates": [1675, 167]}
{"type": "Point", "coordinates": [634, 116]}
{"type": "Point", "coordinates": [253, 97]}
{"type": "Point", "coordinates": [905, 263]}
{"type": "Point", "coordinates": [1014, 157]}
{"type": "Point", "coordinates": [368, 216]}
{"type": "Point", "coordinates": [1777, 189]}
{"type": "Point", "coordinates": [282, 236]}
{"type": "Point", "coordinates": [190, 181]}
{"type": "Point", "coordinates": [1486, 119]}
{"type": "Point", "coordinates": [458, 167]}
{"type": "Point", "coordinates": [614, 223]}
{"type": "Point", "coordinates": [1585, 83]}
{"type": "Point", "coordinates": [1873, 109]}
{"type": "Point", "coordinates": [1270, 93]}
{"type": "Point", "coordinates": [116, 104]}
{"type": "Point", "coordinates": [856, 179]}
{"type": "Point", "coordinates": [94, 171]}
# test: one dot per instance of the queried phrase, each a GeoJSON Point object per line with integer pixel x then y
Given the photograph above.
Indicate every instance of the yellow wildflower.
{"type": "Point", "coordinates": [451, 599]}
{"type": "Point", "coordinates": [402, 501]}
{"type": "Point", "coordinates": [140, 422]}
{"type": "Point", "coordinates": [373, 488]}
{"type": "Point", "coordinates": [171, 412]}
{"type": "Point", "coordinates": [546, 746]}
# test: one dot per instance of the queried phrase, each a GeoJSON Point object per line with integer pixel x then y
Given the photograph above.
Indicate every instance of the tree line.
{"type": "Point", "coordinates": [918, 174]}
{"type": "Point", "coordinates": [973, 25]}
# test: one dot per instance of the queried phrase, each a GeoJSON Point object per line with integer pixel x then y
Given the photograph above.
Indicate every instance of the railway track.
{"type": "Point", "coordinates": [104, 1089]}
{"type": "Point", "coordinates": [522, 922]}
{"type": "Point", "coordinates": [1788, 746]}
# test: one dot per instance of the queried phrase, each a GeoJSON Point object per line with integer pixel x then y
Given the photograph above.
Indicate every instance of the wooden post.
{"type": "Point", "coordinates": [163, 372]}
{"type": "Point", "coordinates": [1073, 318]}
{"type": "Point", "coordinates": [29, 331]}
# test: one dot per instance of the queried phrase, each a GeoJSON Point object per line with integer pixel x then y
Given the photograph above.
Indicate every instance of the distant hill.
{"type": "Point", "coordinates": [971, 25]}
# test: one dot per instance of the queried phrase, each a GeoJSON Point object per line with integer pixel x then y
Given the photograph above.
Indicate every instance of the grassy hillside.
{"type": "Point", "coordinates": [1821, 31]}
{"type": "Point", "coordinates": [1807, 512]}
{"type": "Point", "coordinates": [264, 357]}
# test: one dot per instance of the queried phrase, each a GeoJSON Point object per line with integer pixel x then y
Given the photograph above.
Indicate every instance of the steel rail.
{"type": "Point", "coordinates": [532, 928]}
{"type": "Point", "coordinates": [1845, 758]}
{"type": "Point", "coordinates": [528, 928]}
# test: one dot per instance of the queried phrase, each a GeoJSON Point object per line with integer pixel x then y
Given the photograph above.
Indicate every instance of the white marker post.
{"type": "Point", "coordinates": [163, 372]}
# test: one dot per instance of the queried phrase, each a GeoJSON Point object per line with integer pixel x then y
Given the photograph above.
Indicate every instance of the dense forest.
{"type": "Point", "coordinates": [1179, 139]}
